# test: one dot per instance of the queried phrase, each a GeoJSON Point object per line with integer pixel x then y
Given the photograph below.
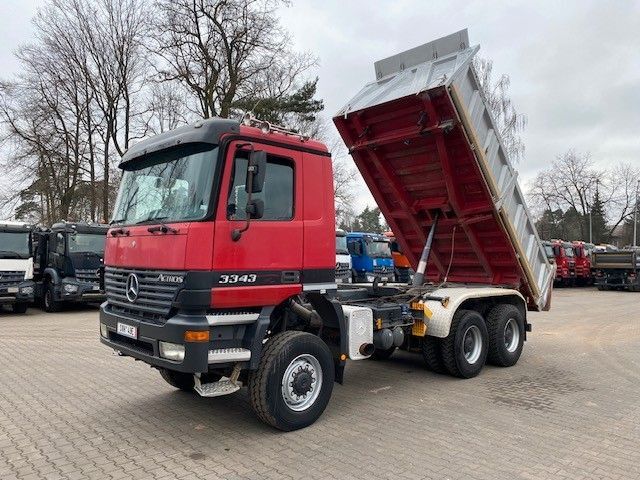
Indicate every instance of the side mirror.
{"type": "Point", "coordinates": [256, 168]}
{"type": "Point", "coordinates": [255, 209]}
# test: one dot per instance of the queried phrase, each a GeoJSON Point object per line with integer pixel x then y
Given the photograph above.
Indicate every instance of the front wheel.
{"type": "Point", "coordinates": [180, 380]}
{"type": "Point", "coordinates": [464, 350]}
{"type": "Point", "coordinates": [294, 380]}
{"type": "Point", "coordinates": [19, 307]}
{"type": "Point", "coordinates": [50, 303]}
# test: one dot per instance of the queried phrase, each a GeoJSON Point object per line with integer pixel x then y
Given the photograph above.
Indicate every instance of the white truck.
{"type": "Point", "coordinates": [16, 265]}
{"type": "Point", "coordinates": [343, 258]}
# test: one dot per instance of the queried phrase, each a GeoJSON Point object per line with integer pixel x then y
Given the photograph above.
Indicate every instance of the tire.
{"type": "Point", "coordinates": [432, 354]}
{"type": "Point", "coordinates": [180, 380]}
{"type": "Point", "coordinates": [19, 307]}
{"type": "Point", "coordinates": [462, 360]}
{"type": "Point", "coordinates": [505, 325]}
{"type": "Point", "coordinates": [271, 394]}
{"type": "Point", "coordinates": [380, 354]}
{"type": "Point", "coordinates": [50, 304]}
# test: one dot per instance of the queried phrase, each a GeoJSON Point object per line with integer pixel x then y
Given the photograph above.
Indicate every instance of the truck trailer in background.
{"type": "Point", "coordinates": [617, 270]}
{"type": "Point", "coordinates": [16, 265]}
{"type": "Point", "coordinates": [235, 285]}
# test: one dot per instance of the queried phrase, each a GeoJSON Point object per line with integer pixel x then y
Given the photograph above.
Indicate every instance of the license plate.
{"type": "Point", "coordinates": [12, 290]}
{"type": "Point", "coordinates": [127, 330]}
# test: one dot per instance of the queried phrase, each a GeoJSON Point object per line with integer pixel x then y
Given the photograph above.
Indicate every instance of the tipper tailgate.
{"type": "Point", "coordinates": [425, 143]}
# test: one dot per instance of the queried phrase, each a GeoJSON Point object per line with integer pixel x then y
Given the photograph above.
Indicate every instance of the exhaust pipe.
{"type": "Point", "coordinates": [367, 349]}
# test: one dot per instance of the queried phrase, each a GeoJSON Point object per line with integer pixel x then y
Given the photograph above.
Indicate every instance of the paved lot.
{"type": "Point", "coordinates": [569, 409]}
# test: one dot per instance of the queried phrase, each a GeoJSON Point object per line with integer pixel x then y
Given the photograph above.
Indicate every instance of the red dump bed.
{"type": "Point", "coordinates": [413, 139]}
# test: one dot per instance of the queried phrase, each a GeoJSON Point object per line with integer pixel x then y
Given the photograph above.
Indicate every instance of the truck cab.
{"type": "Point", "coordinates": [343, 258]}
{"type": "Point", "coordinates": [565, 262]}
{"type": "Point", "coordinates": [68, 264]}
{"type": "Point", "coordinates": [403, 272]}
{"type": "Point", "coordinates": [583, 263]}
{"type": "Point", "coordinates": [371, 257]}
{"type": "Point", "coordinates": [16, 265]}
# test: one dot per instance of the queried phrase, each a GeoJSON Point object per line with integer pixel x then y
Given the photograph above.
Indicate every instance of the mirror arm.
{"type": "Point", "coordinates": [237, 233]}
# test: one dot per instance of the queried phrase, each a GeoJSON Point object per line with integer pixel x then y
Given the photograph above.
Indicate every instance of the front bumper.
{"type": "Point", "coordinates": [228, 338]}
{"type": "Point", "coordinates": [82, 293]}
{"type": "Point", "coordinates": [21, 293]}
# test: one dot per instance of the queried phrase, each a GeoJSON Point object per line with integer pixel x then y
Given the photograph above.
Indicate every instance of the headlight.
{"type": "Point", "coordinates": [172, 351]}
{"type": "Point", "coordinates": [103, 330]}
{"type": "Point", "coordinates": [370, 278]}
{"type": "Point", "coordinates": [69, 288]}
{"type": "Point", "coordinates": [26, 290]}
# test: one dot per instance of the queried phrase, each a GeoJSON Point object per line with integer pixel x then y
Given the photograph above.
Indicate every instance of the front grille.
{"type": "Point", "coordinates": [88, 276]}
{"type": "Point", "coordinates": [154, 297]}
{"type": "Point", "coordinates": [343, 270]}
{"type": "Point", "coordinates": [377, 270]}
{"type": "Point", "coordinates": [10, 279]}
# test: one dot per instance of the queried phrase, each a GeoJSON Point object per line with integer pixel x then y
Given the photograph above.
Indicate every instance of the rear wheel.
{"type": "Point", "coordinates": [464, 350]}
{"type": "Point", "coordinates": [19, 307]}
{"type": "Point", "coordinates": [432, 354]}
{"type": "Point", "coordinates": [294, 380]}
{"type": "Point", "coordinates": [505, 325]}
{"type": "Point", "coordinates": [50, 303]}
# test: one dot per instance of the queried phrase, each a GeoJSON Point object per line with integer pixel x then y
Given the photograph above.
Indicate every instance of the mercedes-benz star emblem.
{"type": "Point", "coordinates": [133, 287]}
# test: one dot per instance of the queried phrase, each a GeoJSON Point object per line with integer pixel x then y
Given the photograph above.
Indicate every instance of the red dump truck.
{"type": "Point", "coordinates": [220, 262]}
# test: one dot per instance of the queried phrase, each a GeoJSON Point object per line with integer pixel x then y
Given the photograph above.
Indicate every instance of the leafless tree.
{"type": "Point", "coordinates": [224, 51]}
{"type": "Point", "coordinates": [510, 123]}
{"type": "Point", "coordinates": [571, 182]}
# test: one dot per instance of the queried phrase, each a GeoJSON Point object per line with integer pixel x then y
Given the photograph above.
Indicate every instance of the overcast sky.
{"type": "Point", "coordinates": [574, 65]}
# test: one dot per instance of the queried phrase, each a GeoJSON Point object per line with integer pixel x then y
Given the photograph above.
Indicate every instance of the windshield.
{"type": "Point", "coordinates": [568, 251]}
{"type": "Point", "coordinates": [86, 242]}
{"type": "Point", "coordinates": [378, 248]}
{"type": "Point", "coordinates": [341, 245]}
{"type": "Point", "coordinates": [14, 245]}
{"type": "Point", "coordinates": [169, 186]}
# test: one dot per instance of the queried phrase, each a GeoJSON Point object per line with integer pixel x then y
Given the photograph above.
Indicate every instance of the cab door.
{"type": "Point", "coordinates": [264, 266]}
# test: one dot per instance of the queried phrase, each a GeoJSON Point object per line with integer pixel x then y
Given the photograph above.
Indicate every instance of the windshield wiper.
{"type": "Point", "coordinates": [117, 221]}
{"type": "Point", "coordinates": [150, 219]}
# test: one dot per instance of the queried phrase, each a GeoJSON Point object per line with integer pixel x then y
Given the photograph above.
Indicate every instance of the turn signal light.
{"type": "Point", "coordinates": [196, 336]}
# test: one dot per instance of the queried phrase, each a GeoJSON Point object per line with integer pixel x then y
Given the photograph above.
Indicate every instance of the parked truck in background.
{"type": "Point", "coordinates": [343, 258]}
{"type": "Point", "coordinates": [16, 265]}
{"type": "Point", "coordinates": [617, 270]}
{"type": "Point", "coordinates": [370, 257]}
{"type": "Point", "coordinates": [403, 273]}
{"type": "Point", "coordinates": [564, 260]}
{"type": "Point", "coordinates": [68, 259]}
{"type": "Point", "coordinates": [219, 270]}
{"type": "Point", "coordinates": [582, 258]}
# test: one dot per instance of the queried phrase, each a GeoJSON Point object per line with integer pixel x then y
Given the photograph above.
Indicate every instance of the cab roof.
{"type": "Point", "coordinates": [80, 227]}
{"type": "Point", "coordinates": [211, 131]}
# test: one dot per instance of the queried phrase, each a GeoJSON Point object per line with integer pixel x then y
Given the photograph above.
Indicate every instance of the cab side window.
{"type": "Point", "coordinates": [277, 194]}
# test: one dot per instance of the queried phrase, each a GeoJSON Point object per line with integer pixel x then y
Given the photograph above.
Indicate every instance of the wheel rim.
{"type": "Point", "coordinates": [511, 335]}
{"type": "Point", "coordinates": [301, 382]}
{"type": "Point", "coordinates": [47, 299]}
{"type": "Point", "coordinates": [472, 344]}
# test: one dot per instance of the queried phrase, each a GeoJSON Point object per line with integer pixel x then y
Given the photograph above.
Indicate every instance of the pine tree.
{"type": "Point", "coordinates": [598, 220]}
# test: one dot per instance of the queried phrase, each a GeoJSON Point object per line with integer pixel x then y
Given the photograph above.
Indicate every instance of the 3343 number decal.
{"type": "Point", "coordinates": [246, 278]}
